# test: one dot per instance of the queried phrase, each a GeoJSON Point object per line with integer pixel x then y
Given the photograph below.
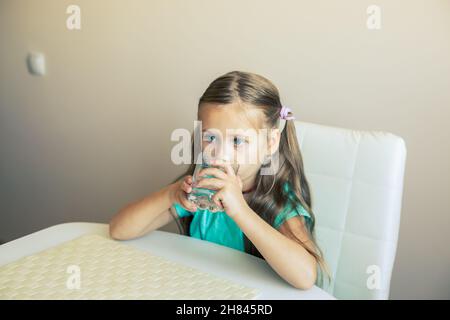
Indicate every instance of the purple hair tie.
{"type": "Point", "coordinates": [284, 113]}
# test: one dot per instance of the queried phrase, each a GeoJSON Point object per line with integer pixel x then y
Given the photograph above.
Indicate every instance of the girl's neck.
{"type": "Point", "coordinates": [248, 195]}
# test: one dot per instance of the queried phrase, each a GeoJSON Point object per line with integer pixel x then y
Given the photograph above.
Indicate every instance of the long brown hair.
{"type": "Point", "coordinates": [269, 198]}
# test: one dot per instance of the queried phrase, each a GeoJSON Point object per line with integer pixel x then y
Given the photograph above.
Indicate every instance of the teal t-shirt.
{"type": "Point", "coordinates": [219, 228]}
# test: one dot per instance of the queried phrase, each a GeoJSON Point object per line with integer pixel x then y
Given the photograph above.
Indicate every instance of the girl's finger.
{"type": "Point", "coordinates": [240, 181]}
{"type": "Point", "coordinates": [186, 187]}
{"type": "Point", "coordinates": [213, 172]}
{"type": "Point", "coordinates": [216, 199]}
{"type": "Point", "coordinates": [188, 205]}
{"type": "Point", "coordinates": [230, 169]}
{"type": "Point", "coordinates": [210, 183]}
{"type": "Point", "coordinates": [188, 179]}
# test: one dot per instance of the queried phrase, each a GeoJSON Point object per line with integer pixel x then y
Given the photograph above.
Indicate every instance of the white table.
{"type": "Point", "coordinates": [206, 256]}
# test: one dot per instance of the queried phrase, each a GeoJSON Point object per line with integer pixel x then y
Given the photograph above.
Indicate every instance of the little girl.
{"type": "Point", "coordinates": [267, 215]}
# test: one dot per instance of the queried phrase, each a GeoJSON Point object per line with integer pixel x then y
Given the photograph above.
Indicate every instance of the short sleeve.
{"type": "Point", "coordinates": [181, 212]}
{"type": "Point", "coordinates": [288, 213]}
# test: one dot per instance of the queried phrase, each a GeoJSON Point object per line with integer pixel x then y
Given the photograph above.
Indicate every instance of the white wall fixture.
{"type": "Point", "coordinates": [36, 63]}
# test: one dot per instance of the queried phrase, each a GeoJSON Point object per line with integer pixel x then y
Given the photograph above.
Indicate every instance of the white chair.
{"type": "Point", "coordinates": [356, 180]}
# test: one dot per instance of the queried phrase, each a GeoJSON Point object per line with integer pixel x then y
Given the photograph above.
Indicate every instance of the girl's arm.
{"type": "Point", "coordinates": [150, 213]}
{"type": "Point", "coordinates": [286, 256]}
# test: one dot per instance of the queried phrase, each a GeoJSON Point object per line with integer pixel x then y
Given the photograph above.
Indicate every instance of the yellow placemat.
{"type": "Point", "coordinates": [94, 267]}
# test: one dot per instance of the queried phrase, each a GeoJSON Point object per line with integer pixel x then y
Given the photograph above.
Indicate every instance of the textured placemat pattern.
{"type": "Point", "coordinates": [94, 267]}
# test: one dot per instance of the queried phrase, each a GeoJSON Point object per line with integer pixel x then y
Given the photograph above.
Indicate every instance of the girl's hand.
{"type": "Point", "coordinates": [229, 195]}
{"type": "Point", "coordinates": [179, 193]}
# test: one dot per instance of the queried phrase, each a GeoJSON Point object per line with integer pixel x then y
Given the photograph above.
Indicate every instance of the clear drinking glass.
{"type": "Point", "coordinates": [202, 197]}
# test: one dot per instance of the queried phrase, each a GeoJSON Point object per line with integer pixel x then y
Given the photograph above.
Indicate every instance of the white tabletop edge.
{"type": "Point", "coordinates": [206, 256]}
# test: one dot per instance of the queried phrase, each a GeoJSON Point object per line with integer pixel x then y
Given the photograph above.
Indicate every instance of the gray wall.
{"type": "Point", "coordinates": [94, 133]}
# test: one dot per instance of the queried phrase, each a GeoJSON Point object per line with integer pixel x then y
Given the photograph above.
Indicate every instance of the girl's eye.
{"type": "Point", "coordinates": [210, 138]}
{"type": "Point", "coordinates": [238, 141]}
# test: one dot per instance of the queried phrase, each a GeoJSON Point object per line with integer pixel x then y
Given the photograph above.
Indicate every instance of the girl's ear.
{"type": "Point", "coordinates": [274, 137]}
